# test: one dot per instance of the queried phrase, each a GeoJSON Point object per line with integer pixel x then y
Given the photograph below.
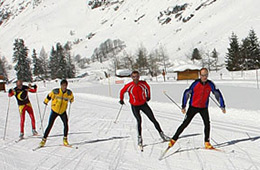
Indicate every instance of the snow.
{"type": "Point", "coordinates": [53, 21]}
{"type": "Point", "coordinates": [105, 145]}
{"type": "Point", "coordinates": [186, 67]}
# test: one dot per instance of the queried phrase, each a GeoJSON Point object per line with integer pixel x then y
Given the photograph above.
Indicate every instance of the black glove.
{"type": "Point", "coordinates": [10, 91]}
{"type": "Point", "coordinates": [45, 103]}
{"type": "Point", "coordinates": [121, 102]}
{"type": "Point", "coordinates": [34, 86]}
{"type": "Point", "coordinates": [148, 99]}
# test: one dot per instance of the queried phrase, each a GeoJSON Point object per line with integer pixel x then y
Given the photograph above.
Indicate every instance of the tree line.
{"type": "Point", "coordinates": [58, 65]}
{"type": "Point", "coordinates": [244, 55]}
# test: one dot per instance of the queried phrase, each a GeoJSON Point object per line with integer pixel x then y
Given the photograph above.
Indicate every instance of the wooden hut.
{"type": "Point", "coordinates": [187, 72]}
{"type": "Point", "coordinates": [2, 83]}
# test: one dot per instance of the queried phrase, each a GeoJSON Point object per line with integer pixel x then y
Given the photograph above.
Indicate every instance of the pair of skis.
{"type": "Point", "coordinates": [40, 147]}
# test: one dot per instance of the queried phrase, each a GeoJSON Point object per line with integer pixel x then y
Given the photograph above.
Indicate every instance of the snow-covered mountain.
{"type": "Point", "coordinates": [178, 25]}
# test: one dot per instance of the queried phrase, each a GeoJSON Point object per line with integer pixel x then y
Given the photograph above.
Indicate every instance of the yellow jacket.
{"type": "Point", "coordinates": [59, 100]}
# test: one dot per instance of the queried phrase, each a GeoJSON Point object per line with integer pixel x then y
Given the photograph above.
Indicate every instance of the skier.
{"type": "Point", "coordinates": [60, 98]}
{"type": "Point", "coordinates": [21, 94]}
{"type": "Point", "coordinates": [139, 94]}
{"type": "Point", "coordinates": [199, 93]}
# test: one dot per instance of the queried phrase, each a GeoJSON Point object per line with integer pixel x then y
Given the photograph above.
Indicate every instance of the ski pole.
{"type": "Point", "coordinates": [39, 110]}
{"type": "Point", "coordinates": [118, 113]}
{"type": "Point", "coordinates": [6, 119]}
{"type": "Point", "coordinates": [215, 102]}
{"type": "Point", "coordinates": [69, 110]}
{"type": "Point", "coordinates": [164, 92]}
{"type": "Point", "coordinates": [43, 114]}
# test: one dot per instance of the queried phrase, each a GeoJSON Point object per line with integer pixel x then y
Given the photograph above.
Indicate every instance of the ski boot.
{"type": "Point", "coordinates": [65, 141]}
{"type": "Point", "coordinates": [164, 137]}
{"type": "Point", "coordinates": [171, 143]}
{"type": "Point", "coordinates": [21, 136]}
{"type": "Point", "coordinates": [140, 140]}
{"type": "Point", "coordinates": [42, 143]}
{"type": "Point", "coordinates": [208, 146]}
{"type": "Point", "coordinates": [34, 132]}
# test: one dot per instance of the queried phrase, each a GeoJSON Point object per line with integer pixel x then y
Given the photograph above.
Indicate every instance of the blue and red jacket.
{"type": "Point", "coordinates": [138, 93]}
{"type": "Point", "coordinates": [199, 93]}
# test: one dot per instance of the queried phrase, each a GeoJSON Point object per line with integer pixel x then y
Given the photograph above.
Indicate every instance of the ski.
{"type": "Point", "coordinates": [20, 139]}
{"type": "Point", "coordinates": [40, 147]}
{"type": "Point", "coordinates": [214, 149]}
{"type": "Point", "coordinates": [28, 137]}
{"type": "Point", "coordinates": [164, 153]}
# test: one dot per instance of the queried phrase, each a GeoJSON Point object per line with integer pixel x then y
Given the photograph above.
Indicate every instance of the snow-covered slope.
{"type": "Point", "coordinates": [108, 146]}
{"type": "Point", "coordinates": [135, 22]}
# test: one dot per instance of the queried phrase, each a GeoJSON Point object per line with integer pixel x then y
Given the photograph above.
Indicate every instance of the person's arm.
{"type": "Point", "coordinates": [32, 89]}
{"type": "Point", "coordinates": [218, 96]}
{"type": "Point", "coordinates": [11, 92]}
{"type": "Point", "coordinates": [122, 92]}
{"type": "Point", "coordinates": [186, 95]}
{"type": "Point", "coordinates": [48, 97]}
{"type": "Point", "coordinates": [71, 96]}
{"type": "Point", "coordinates": [148, 91]}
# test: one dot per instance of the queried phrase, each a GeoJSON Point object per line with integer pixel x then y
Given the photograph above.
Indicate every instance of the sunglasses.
{"type": "Point", "coordinates": [204, 75]}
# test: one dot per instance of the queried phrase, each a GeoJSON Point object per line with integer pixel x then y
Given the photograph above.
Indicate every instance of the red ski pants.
{"type": "Point", "coordinates": [22, 109]}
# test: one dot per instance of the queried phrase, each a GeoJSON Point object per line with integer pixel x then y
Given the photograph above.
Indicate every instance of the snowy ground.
{"type": "Point", "coordinates": [105, 145]}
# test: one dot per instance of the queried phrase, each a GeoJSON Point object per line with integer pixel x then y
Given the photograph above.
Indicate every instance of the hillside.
{"type": "Point", "coordinates": [180, 26]}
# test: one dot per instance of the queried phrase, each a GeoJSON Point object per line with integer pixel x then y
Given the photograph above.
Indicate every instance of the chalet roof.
{"type": "Point", "coordinates": [185, 67]}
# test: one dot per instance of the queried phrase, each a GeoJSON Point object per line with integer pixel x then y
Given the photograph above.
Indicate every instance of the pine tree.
{"type": "Point", "coordinates": [245, 54]}
{"type": "Point", "coordinates": [71, 70]}
{"type": "Point", "coordinates": [4, 67]}
{"type": "Point", "coordinates": [141, 61]}
{"type": "Point", "coordinates": [196, 55]}
{"type": "Point", "coordinates": [62, 64]}
{"type": "Point", "coordinates": [254, 47]}
{"type": "Point", "coordinates": [43, 57]}
{"type": "Point", "coordinates": [37, 65]}
{"type": "Point", "coordinates": [233, 57]}
{"type": "Point", "coordinates": [53, 63]}
{"type": "Point", "coordinates": [20, 57]}
{"type": "Point", "coordinates": [214, 56]}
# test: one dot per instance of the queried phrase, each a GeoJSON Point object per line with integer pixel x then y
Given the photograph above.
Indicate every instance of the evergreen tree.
{"type": "Point", "coordinates": [245, 54]}
{"type": "Point", "coordinates": [53, 63]}
{"type": "Point", "coordinates": [141, 61]}
{"type": "Point", "coordinates": [3, 67]}
{"type": "Point", "coordinates": [20, 57]}
{"type": "Point", "coordinates": [254, 49]}
{"type": "Point", "coordinates": [233, 57]}
{"type": "Point", "coordinates": [214, 56]}
{"type": "Point", "coordinates": [43, 57]}
{"type": "Point", "coordinates": [62, 64]}
{"type": "Point", "coordinates": [37, 65]}
{"type": "Point", "coordinates": [71, 70]}
{"type": "Point", "coordinates": [196, 55]}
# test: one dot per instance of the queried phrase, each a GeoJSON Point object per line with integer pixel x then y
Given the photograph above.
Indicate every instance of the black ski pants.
{"type": "Point", "coordinates": [149, 113]}
{"type": "Point", "coordinates": [192, 111]}
{"type": "Point", "coordinates": [52, 118]}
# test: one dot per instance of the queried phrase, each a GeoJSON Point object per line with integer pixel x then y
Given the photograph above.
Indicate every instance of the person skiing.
{"type": "Point", "coordinates": [139, 94]}
{"type": "Point", "coordinates": [199, 93]}
{"type": "Point", "coordinates": [21, 94]}
{"type": "Point", "coordinates": [60, 98]}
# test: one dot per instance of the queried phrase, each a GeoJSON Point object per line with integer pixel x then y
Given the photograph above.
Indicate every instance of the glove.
{"type": "Point", "coordinates": [45, 103]}
{"type": "Point", "coordinates": [34, 86]}
{"type": "Point", "coordinates": [121, 102]}
{"type": "Point", "coordinates": [148, 99]}
{"type": "Point", "coordinates": [10, 91]}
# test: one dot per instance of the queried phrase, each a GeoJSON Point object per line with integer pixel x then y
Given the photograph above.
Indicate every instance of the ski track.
{"type": "Point", "coordinates": [95, 157]}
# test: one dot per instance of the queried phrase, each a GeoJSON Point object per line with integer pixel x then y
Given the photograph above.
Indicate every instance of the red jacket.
{"type": "Point", "coordinates": [138, 93]}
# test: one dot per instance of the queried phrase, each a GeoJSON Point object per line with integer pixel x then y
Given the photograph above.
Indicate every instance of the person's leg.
{"type": "Point", "coordinates": [22, 118]}
{"type": "Point", "coordinates": [136, 112]}
{"type": "Point", "coordinates": [30, 111]}
{"type": "Point", "coordinates": [52, 118]}
{"type": "Point", "coordinates": [205, 116]}
{"type": "Point", "coordinates": [189, 116]}
{"type": "Point", "coordinates": [64, 119]}
{"type": "Point", "coordinates": [149, 113]}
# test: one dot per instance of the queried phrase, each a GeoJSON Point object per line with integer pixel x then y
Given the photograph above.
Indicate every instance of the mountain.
{"type": "Point", "coordinates": [179, 26]}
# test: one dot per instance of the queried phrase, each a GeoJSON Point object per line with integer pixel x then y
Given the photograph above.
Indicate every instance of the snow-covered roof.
{"type": "Point", "coordinates": [186, 67]}
{"type": "Point", "coordinates": [123, 72]}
